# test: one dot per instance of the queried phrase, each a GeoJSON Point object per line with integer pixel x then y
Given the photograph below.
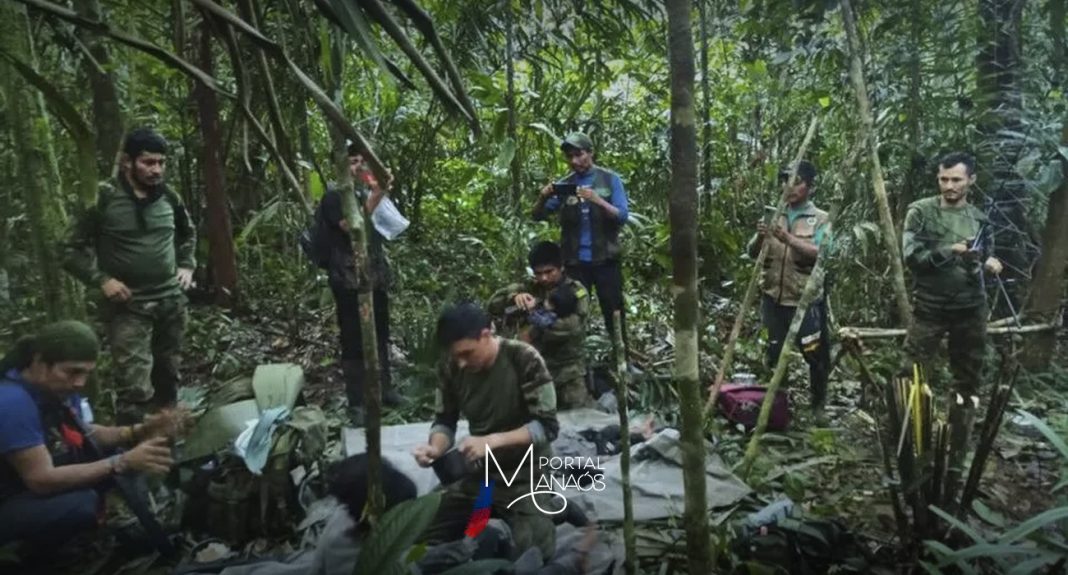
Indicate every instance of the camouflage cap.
{"type": "Point", "coordinates": [577, 140]}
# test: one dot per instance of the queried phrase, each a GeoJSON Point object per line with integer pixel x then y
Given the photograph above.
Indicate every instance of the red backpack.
{"type": "Point", "coordinates": [740, 403]}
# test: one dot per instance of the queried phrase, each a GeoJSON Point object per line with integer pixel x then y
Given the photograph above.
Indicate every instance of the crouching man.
{"type": "Point", "coordinates": [504, 390]}
{"type": "Point", "coordinates": [54, 466]}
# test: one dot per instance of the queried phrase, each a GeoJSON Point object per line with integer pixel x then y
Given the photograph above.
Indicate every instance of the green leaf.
{"type": "Point", "coordinates": [987, 514]}
{"type": "Point", "coordinates": [266, 214]}
{"type": "Point", "coordinates": [964, 527]}
{"type": "Point", "coordinates": [545, 130]}
{"type": "Point", "coordinates": [1030, 566]}
{"type": "Point", "coordinates": [945, 557]}
{"type": "Point", "coordinates": [825, 102]}
{"type": "Point", "coordinates": [396, 532]}
{"type": "Point", "coordinates": [1051, 435]}
{"type": "Point", "coordinates": [504, 157]}
{"type": "Point", "coordinates": [1037, 522]}
{"type": "Point", "coordinates": [996, 552]}
{"type": "Point", "coordinates": [316, 188]}
{"type": "Point", "coordinates": [355, 24]}
{"type": "Point", "coordinates": [479, 567]}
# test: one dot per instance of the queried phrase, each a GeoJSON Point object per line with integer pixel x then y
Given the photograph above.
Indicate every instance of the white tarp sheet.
{"type": "Point", "coordinates": [656, 472]}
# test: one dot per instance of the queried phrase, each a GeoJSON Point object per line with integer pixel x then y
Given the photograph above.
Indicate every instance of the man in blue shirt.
{"type": "Point", "coordinates": [52, 465]}
{"type": "Point", "coordinates": [590, 221]}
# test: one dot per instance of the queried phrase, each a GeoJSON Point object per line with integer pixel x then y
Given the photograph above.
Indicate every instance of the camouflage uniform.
{"type": "Point", "coordinates": [515, 391]}
{"type": "Point", "coordinates": [563, 346]}
{"type": "Point", "coordinates": [947, 289]}
{"type": "Point", "coordinates": [142, 243]}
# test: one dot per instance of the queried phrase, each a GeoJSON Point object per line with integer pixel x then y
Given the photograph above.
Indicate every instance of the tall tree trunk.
{"type": "Point", "coordinates": [107, 115]}
{"type": "Point", "coordinates": [221, 253]}
{"type": "Point", "coordinates": [35, 166]}
{"type": "Point", "coordinates": [684, 260]}
{"type": "Point", "coordinates": [358, 232]}
{"type": "Point", "coordinates": [867, 126]}
{"type": "Point", "coordinates": [513, 133]}
{"type": "Point", "coordinates": [1000, 100]}
{"type": "Point", "coordinates": [1048, 285]}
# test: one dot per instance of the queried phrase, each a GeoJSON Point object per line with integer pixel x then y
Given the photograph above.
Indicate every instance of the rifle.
{"type": "Point", "coordinates": [983, 248]}
{"type": "Point", "coordinates": [128, 490]}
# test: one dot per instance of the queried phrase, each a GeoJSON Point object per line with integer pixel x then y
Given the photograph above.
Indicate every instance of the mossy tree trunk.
{"type": "Point", "coordinates": [683, 216]}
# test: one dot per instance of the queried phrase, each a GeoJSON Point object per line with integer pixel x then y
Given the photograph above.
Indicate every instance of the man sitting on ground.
{"type": "Point", "coordinates": [55, 466]}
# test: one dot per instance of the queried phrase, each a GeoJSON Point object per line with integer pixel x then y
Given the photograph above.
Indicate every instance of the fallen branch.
{"type": "Point", "coordinates": [886, 333]}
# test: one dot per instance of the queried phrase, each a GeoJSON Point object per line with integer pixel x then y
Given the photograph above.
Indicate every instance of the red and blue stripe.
{"type": "Point", "coordinates": [481, 514]}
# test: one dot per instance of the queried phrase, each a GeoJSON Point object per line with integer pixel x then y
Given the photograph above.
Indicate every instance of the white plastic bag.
{"type": "Point", "coordinates": [388, 220]}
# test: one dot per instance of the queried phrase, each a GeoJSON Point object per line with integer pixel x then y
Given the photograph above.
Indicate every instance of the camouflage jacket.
{"type": "Point", "coordinates": [563, 345]}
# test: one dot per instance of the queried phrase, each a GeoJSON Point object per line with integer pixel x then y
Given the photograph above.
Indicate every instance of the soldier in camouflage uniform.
{"type": "Point", "coordinates": [562, 344]}
{"type": "Point", "coordinates": [504, 390]}
{"type": "Point", "coordinates": [137, 246]}
{"type": "Point", "coordinates": [944, 250]}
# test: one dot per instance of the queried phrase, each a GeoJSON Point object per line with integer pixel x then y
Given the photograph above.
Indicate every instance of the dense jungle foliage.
{"type": "Point", "coordinates": [467, 109]}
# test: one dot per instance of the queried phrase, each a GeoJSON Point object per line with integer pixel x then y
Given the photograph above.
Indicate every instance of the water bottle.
{"type": "Point", "coordinates": [87, 411]}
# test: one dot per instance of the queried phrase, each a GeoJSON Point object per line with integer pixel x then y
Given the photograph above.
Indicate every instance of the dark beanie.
{"type": "Point", "coordinates": [60, 341]}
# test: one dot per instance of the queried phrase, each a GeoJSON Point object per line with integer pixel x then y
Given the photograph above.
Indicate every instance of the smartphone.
{"type": "Point", "coordinates": [565, 189]}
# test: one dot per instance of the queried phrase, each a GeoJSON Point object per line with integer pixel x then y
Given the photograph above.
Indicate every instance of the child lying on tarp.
{"type": "Point", "coordinates": [338, 547]}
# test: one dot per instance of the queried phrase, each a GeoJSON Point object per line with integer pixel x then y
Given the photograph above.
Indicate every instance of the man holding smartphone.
{"type": "Point", "coordinates": [793, 244]}
{"type": "Point", "coordinates": [590, 221]}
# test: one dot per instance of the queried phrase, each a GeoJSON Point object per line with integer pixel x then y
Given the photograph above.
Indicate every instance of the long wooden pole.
{"type": "Point", "coordinates": [754, 281]}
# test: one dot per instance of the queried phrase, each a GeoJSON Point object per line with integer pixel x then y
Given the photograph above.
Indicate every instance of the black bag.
{"type": "Point", "coordinates": [314, 240]}
{"type": "Point", "coordinates": [802, 547]}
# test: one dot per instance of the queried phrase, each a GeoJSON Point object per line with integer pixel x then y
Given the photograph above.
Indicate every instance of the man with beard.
{"type": "Point", "coordinates": [793, 244]}
{"type": "Point", "coordinates": [136, 245]}
{"type": "Point", "coordinates": [944, 249]}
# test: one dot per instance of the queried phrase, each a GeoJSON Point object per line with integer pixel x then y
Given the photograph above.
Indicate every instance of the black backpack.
{"type": "Point", "coordinates": [314, 240]}
{"type": "Point", "coordinates": [800, 547]}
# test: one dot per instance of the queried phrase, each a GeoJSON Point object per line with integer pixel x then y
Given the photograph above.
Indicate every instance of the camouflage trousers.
{"type": "Point", "coordinates": [570, 384]}
{"type": "Point", "coordinates": [530, 527]}
{"type": "Point", "coordinates": [966, 333]}
{"type": "Point", "coordinates": [146, 341]}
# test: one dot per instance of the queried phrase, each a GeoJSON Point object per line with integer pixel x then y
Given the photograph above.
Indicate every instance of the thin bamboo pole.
{"type": "Point", "coordinates": [630, 564]}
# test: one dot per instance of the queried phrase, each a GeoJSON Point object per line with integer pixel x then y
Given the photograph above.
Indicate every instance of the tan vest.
{"type": "Point", "coordinates": [785, 273]}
